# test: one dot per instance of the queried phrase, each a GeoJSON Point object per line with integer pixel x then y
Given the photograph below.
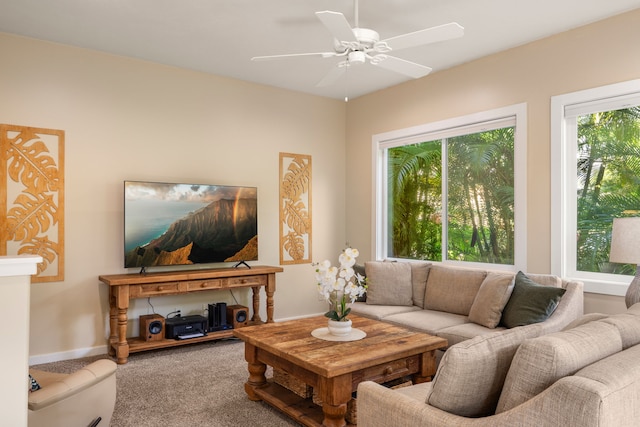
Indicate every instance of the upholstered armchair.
{"type": "Point", "coordinates": [84, 398]}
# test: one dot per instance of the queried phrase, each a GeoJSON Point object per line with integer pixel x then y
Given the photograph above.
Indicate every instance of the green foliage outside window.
{"type": "Point", "coordinates": [480, 202]}
{"type": "Point", "coordinates": [608, 174]}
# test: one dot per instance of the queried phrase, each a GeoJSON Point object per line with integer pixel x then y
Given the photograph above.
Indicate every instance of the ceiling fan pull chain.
{"type": "Point", "coordinates": [346, 82]}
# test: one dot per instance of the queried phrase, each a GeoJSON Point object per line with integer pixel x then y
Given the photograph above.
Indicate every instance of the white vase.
{"type": "Point", "coordinates": [339, 329]}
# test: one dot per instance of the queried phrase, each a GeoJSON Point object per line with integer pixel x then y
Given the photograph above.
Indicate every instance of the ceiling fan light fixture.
{"type": "Point", "coordinates": [357, 57]}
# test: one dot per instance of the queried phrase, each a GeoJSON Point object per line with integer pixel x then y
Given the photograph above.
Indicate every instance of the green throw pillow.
{"type": "Point", "coordinates": [530, 302]}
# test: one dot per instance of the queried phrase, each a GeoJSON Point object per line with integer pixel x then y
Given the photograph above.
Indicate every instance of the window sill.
{"type": "Point", "coordinates": [605, 288]}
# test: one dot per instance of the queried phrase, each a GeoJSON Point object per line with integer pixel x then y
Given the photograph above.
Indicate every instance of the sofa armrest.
{"type": "Point", "coordinates": [570, 308]}
{"type": "Point", "coordinates": [77, 399]}
{"type": "Point", "coordinates": [571, 401]}
{"type": "Point", "coordinates": [379, 406]}
{"type": "Point", "coordinates": [71, 384]}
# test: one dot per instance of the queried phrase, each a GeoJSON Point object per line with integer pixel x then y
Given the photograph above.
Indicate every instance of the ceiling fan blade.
{"type": "Point", "coordinates": [337, 25]}
{"type": "Point", "coordinates": [401, 66]}
{"type": "Point", "coordinates": [294, 55]}
{"type": "Point", "coordinates": [334, 74]}
{"type": "Point", "coordinates": [440, 33]}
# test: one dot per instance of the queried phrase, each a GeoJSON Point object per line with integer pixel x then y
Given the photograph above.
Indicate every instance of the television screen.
{"type": "Point", "coordinates": [179, 224]}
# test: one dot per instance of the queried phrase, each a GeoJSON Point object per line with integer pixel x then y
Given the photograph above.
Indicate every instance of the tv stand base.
{"type": "Point", "coordinates": [242, 263]}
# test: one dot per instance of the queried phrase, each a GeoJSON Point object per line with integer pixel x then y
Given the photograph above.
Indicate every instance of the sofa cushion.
{"type": "Point", "coordinates": [416, 391]}
{"type": "Point", "coordinates": [458, 333]}
{"type": "Point", "coordinates": [389, 283]}
{"type": "Point", "coordinates": [585, 319]}
{"type": "Point", "coordinates": [379, 312]}
{"type": "Point", "coordinates": [634, 309]}
{"type": "Point", "coordinates": [428, 321]}
{"type": "Point", "coordinates": [530, 302]}
{"type": "Point", "coordinates": [540, 362]}
{"type": "Point", "coordinates": [471, 374]}
{"type": "Point", "coordinates": [419, 274]}
{"type": "Point", "coordinates": [628, 326]}
{"type": "Point", "coordinates": [452, 289]}
{"type": "Point", "coordinates": [613, 371]}
{"type": "Point", "coordinates": [491, 298]}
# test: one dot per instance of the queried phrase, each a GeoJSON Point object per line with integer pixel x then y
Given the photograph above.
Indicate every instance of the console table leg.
{"type": "Point", "coordinates": [122, 347]}
{"type": "Point", "coordinates": [270, 289]}
{"type": "Point", "coordinates": [113, 324]}
{"type": "Point", "coordinates": [256, 304]}
{"type": "Point", "coordinates": [119, 305]}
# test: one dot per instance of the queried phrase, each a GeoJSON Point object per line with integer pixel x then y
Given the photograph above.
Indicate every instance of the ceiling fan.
{"type": "Point", "coordinates": [361, 45]}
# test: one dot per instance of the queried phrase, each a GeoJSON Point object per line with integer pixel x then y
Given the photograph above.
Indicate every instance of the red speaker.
{"type": "Point", "coordinates": [152, 327]}
{"type": "Point", "coordinates": [237, 316]}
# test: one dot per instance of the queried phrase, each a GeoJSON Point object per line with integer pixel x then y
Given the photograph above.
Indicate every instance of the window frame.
{"type": "Point", "coordinates": [564, 110]}
{"type": "Point", "coordinates": [475, 122]}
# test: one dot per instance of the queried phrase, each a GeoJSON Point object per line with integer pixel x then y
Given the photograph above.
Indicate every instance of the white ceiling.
{"type": "Point", "coordinates": [220, 36]}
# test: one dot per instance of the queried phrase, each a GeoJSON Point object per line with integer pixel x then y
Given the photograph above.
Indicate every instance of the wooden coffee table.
{"type": "Point", "coordinates": [334, 369]}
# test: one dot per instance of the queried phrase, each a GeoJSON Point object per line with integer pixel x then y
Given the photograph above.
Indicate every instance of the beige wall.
{"type": "Point", "coordinates": [599, 54]}
{"type": "Point", "coordinates": [130, 119]}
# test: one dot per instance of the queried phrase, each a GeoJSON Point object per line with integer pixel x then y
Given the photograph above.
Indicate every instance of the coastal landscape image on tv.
{"type": "Point", "coordinates": [179, 224]}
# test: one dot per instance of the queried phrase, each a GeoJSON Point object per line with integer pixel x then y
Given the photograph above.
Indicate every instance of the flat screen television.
{"type": "Point", "coordinates": [181, 224]}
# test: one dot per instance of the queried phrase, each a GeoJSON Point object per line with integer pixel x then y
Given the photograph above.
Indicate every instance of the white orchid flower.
{"type": "Point", "coordinates": [342, 285]}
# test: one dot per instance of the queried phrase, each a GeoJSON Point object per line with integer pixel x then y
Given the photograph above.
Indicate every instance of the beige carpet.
{"type": "Point", "coordinates": [192, 385]}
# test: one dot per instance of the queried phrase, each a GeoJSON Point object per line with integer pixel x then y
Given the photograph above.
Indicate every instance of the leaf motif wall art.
{"type": "Point", "coordinates": [32, 197]}
{"type": "Point", "coordinates": [295, 208]}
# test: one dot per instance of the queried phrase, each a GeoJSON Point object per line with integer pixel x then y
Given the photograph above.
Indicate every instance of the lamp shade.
{"type": "Point", "coordinates": [625, 241]}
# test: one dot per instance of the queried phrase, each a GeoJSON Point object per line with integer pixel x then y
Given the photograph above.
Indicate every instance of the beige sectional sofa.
{"type": "Point", "coordinates": [586, 375]}
{"type": "Point", "coordinates": [459, 304]}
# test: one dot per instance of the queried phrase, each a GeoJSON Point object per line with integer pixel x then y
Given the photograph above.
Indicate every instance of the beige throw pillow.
{"type": "Point", "coordinates": [540, 362]}
{"type": "Point", "coordinates": [419, 275]}
{"type": "Point", "coordinates": [452, 289]}
{"type": "Point", "coordinates": [492, 296]}
{"type": "Point", "coordinates": [389, 283]}
{"type": "Point", "coordinates": [471, 374]}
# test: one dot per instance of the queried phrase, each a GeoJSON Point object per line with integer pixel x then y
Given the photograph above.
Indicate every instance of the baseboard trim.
{"type": "Point", "coordinates": [284, 319]}
{"type": "Point", "coordinates": [102, 349]}
{"type": "Point", "coordinates": [67, 355]}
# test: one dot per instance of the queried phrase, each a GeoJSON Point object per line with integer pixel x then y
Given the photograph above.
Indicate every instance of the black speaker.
{"type": "Point", "coordinates": [152, 327]}
{"type": "Point", "coordinates": [238, 316]}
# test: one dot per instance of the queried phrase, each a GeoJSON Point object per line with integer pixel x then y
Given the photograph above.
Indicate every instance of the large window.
{"type": "Point", "coordinates": [596, 164]}
{"type": "Point", "coordinates": [446, 191]}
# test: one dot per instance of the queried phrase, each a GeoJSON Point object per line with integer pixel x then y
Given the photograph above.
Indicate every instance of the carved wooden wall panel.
{"type": "Point", "coordinates": [32, 197]}
{"type": "Point", "coordinates": [295, 208]}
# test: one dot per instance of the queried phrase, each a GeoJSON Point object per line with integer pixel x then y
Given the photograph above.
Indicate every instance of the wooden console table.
{"type": "Point", "coordinates": [124, 287]}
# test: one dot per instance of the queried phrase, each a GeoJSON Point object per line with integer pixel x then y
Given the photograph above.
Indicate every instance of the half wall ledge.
{"type": "Point", "coordinates": [21, 265]}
